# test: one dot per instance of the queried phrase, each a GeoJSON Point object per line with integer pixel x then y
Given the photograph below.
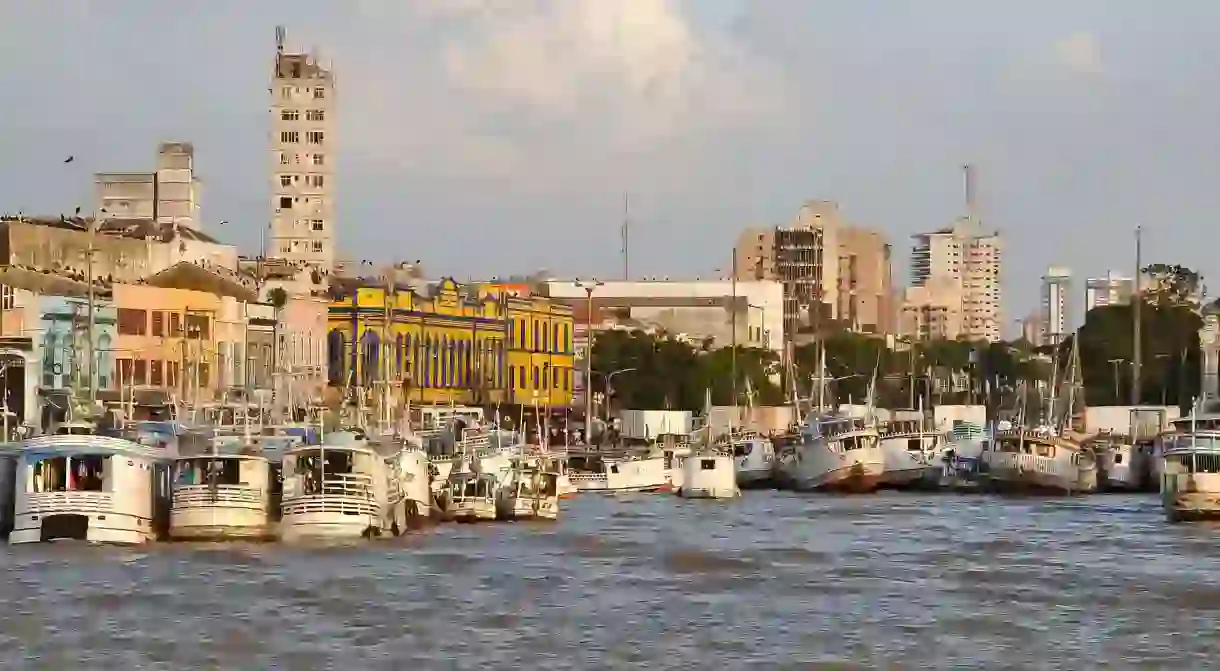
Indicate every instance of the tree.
{"type": "Point", "coordinates": [277, 297]}
{"type": "Point", "coordinates": [1170, 285]}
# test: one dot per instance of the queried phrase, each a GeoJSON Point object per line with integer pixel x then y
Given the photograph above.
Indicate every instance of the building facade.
{"type": "Point", "coordinates": [168, 195]}
{"type": "Point", "coordinates": [866, 289]}
{"type": "Point", "coordinates": [473, 344]}
{"type": "Point", "coordinates": [1113, 289]}
{"type": "Point", "coordinates": [1056, 305]}
{"type": "Point", "coordinates": [302, 158]}
{"type": "Point", "coordinates": [956, 271]}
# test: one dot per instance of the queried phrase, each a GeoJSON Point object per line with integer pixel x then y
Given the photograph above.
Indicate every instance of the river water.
{"type": "Point", "coordinates": [768, 581]}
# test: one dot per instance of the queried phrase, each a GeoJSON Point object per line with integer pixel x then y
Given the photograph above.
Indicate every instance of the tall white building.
{"type": "Point", "coordinates": [955, 284]}
{"type": "Point", "coordinates": [302, 143]}
{"type": "Point", "coordinates": [1113, 289]}
{"type": "Point", "coordinates": [1056, 304]}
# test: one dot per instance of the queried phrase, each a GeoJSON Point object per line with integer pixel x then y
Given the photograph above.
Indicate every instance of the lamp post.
{"type": "Point", "coordinates": [589, 286]}
{"type": "Point", "coordinates": [609, 379]}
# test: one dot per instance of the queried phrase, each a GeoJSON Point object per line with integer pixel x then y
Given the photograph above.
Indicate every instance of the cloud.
{"type": "Point", "coordinates": [549, 87]}
{"type": "Point", "coordinates": [1080, 53]}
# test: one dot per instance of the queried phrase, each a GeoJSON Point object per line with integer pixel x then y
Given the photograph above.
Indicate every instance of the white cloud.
{"type": "Point", "coordinates": [498, 87]}
{"type": "Point", "coordinates": [1080, 53]}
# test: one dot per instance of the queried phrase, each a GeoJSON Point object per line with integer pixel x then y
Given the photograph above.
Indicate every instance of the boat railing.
{"type": "Point", "coordinates": [575, 478]}
{"type": "Point", "coordinates": [49, 503]}
{"type": "Point", "coordinates": [1028, 463]}
{"type": "Point", "coordinates": [223, 496]}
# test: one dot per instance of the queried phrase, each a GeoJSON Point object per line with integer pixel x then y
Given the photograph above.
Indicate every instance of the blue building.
{"type": "Point", "coordinates": [63, 341]}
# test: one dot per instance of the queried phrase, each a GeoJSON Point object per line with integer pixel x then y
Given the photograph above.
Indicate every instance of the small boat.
{"type": "Point", "coordinates": [77, 486]}
{"type": "Point", "coordinates": [836, 454]}
{"type": "Point", "coordinates": [647, 473]}
{"type": "Point", "coordinates": [755, 459]}
{"type": "Point", "coordinates": [709, 474]}
{"type": "Point", "coordinates": [1120, 466]}
{"type": "Point", "coordinates": [471, 497]}
{"type": "Point", "coordinates": [1190, 473]}
{"type": "Point", "coordinates": [228, 492]}
{"type": "Point", "coordinates": [1038, 461]}
{"type": "Point", "coordinates": [343, 488]}
{"type": "Point", "coordinates": [528, 492]}
{"type": "Point", "coordinates": [913, 456]}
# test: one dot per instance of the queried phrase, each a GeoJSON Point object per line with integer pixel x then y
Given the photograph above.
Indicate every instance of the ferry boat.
{"type": "Point", "coordinates": [471, 497]}
{"type": "Point", "coordinates": [835, 453]}
{"type": "Point", "coordinates": [86, 487]}
{"type": "Point", "coordinates": [529, 492]}
{"type": "Point", "coordinates": [230, 491]}
{"type": "Point", "coordinates": [912, 456]}
{"type": "Point", "coordinates": [1190, 479]}
{"type": "Point", "coordinates": [343, 488]}
{"type": "Point", "coordinates": [1038, 461]}
{"type": "Point", "coordinates": [709, 474]}
{"type": "Point", "coordinates": [647, 473]}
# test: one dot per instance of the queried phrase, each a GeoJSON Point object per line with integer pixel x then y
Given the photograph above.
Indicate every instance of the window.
{"type": "Point", "coordinates": [319, 93]}
{"type": "Point", "coordinates": [283, 158]}
{"type": "Point", "coordinates": [512, 376]}
{"type": "Point", "coordinates": [132, 322]}
{"type": "Point", "coordinates": [141, 372]}
{"type": "Point", "coordinates": [158, 325]}
{"type": "Point", "coordinates": [319, 159]}
{"type": "Point", "coordinates": [315, 115]}
{"type": "Point", "coordinates": [8, 299]}
{"type": "Point", "coordinates": [171, 374]}
{"type": "Point", "coordinates": [197, 327]}
{"type": "Point", "coordinates": [286, 92]}
{"type": "Point", "coordinates": [158, 373]}
{"type": "Point", "coordinates": [316, 224]}
{"type": "Point", "coordinates": [175, 325]}
{"type": "Point", "coordinates": [316, 181]}
{"type": "Point", "coordinates": [313, 137]}
{"type": "Point", "coordinates": [285, 248]}
{"type": "Point", "coordinates": [554, 378]}
{"type": "Point", "coordinates": [317, 245]}
{"type": "Point", "coordinates": [522, 378]}
{"type": "Point", "coordinates": [285, 180]}
{"type": "Point", "coordinates": [290, 136]}
{"type": "Point", "coordinates": [290, 115]}
{"type": "Point", "coordinates": [285, 202]}
{"type": "Point", "coordinates": [535, 377]}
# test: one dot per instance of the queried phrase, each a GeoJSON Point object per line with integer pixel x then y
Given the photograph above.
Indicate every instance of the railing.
{"type": "Point", "coordinates": [224, 496]}
{"type": "Point", "coordinates": [345, 493]}
{"type": "Point", "coordinates": [45, 503]}
{"type": "Point", "coordinates": [1031, 463]}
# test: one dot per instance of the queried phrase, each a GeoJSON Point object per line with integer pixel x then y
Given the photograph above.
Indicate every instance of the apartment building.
{"type": "Point", "coordinates": [1113, 289]}
{"type": "Point", "coordinates": [955, 274]}
{"type": "Point", "coordinates": [1056, 305]}
{"type": "Point", "coordinates": [302, 146]}
{"type": "Point", "coordinates": [170, 194]}
{"type": "Point", "coordinates": [828, 269]}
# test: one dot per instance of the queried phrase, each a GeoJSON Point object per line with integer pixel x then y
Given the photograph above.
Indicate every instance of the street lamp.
{"type": "Point", "coordinates": [589, 286]}
{"type": "Point", "coordinates": [1115, 363]}
{"type": "Point", "coordinates": [609, 388]}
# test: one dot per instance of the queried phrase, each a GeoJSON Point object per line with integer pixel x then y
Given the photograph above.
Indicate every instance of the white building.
{"type": "Point", "coordinates": [955, 280]}
{"type": "Point", "coordinates": [698, 310]}
{"type": "Point", "coordinates": [1056, 304]}
{"type": "Point", "coordinates": [303, 162]}
{"type": "Point", "coordinates": [168, 195]}
{"type": "Point", "coordinates": [1113, 289]}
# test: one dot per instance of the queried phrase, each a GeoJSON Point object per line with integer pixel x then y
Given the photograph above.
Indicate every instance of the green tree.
{"type": "Point", "coordinates": [1170, 285]}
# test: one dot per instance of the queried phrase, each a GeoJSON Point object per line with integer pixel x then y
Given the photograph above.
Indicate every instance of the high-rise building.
{"type": "Point", "coordinates": [1056, 304]}
{"type": "Point", "coordinates": [829, 270]}
{"type": "Point", "coordinates": [303, 160]}
{"type": "Point", "coordinates": [1113, 289]}
{"type": "Point", "coordinates": [169, 194]}
{"type": "Point", "coordinates": [955, 277]}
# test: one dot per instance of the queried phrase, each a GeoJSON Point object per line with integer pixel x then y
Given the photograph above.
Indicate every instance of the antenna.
{"type": "Point", "coordinates": [968, 174]}
{"type": "Point", "coordinates": [625, 230]}
{"type": "Point", "coordinates": [280, 34]}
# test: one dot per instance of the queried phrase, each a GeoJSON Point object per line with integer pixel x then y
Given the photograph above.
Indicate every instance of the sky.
{"type": "Point", "coordinates": [491, 137]}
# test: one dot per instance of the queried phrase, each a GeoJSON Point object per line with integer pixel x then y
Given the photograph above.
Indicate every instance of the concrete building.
{"type": "Point", "coordinates": [1031, 329]}
{"type": "Point", "coordinates": [1056, 305]}
{"type": "Point", "coordinates": [170, 194]}
{"type": "Point", "coordinates": [303, 160]}
{"type": "Point", "coordinates": [828, 270]}
{"type": "Point", "coordinates": [955, 272]}
{"type": "Point", "coordinates": [1113, 289]}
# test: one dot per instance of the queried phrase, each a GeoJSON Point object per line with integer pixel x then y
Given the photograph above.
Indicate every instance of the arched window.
{"type": "Point", "coordinates": [398, 354]}
{"type": "Point", "coordinates": [335, 372]}
{"type": "Point", "coordinates": [536, 377]}
{"type": "Point", "coordinates": [408, 357]}
{"type": "Point", "coordinates": [370, 348]}
{"type": "Point", "coordinates": [103, 362]}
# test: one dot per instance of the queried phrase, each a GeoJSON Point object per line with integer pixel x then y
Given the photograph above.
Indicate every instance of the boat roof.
{"type": "Point", "coordinates": [339, 440]}
{"type": "Point", "coordinates": [69, 445]}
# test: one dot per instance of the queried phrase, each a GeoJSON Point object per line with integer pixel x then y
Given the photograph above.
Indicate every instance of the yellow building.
{"type": "Point", "coordinates": [454, 345]}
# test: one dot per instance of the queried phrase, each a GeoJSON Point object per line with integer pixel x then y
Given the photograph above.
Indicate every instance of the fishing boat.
{"type": "Point", "coordinates": [1190, 478]}
{"type": "Point", "coordinates": [639, 473]}
{"type": "Point", "coordinates": [1120, 466]}
{"type": "Point", "coordinates": [709, 473]}
{"type": "Point", "coordinates": [528, 492]}
{"type": "Point", "coordinates": [343, 488]}
{"type": "Point", "coordinates": [912, 455]}
{"type": "Point", "coordinates": [755, 459]}
{"type": "Point", "coordinates": [86, 487]}
{"type": "Point", "coordinates": [471, 497]}
{"type": "Point", "coordinates": [227, 491]}
{"type": "Point", "coordinates": [838, 454]}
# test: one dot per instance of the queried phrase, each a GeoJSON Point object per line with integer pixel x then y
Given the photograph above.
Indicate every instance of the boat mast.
{"type": "Point", "coordinates": [733, 357]}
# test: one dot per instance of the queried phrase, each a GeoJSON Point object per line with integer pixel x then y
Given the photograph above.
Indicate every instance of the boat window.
{"type": "Point", "coordinates": [854, 443]}
{"type": "Point", "coordinates": [743, 449]}
{"type": "Point", "coordinates": [915, 444]}
{"type": "Point", "coordinates": [1207, 463]}
{"type": "Point", "coordinates": [526, 490]}
{"type": "Point", "coordinates": [208, 471]}
{"type": "Point", "coordinates": [614, 468]}
{"type": "Point", "coordinates": [1043, 450]}
{"type": "Point", "coordinates": [1118, 457]}
{"type": "Point", "coordinates": [84, 473]}
{"type": "Point", "coordinates": [707, 464]}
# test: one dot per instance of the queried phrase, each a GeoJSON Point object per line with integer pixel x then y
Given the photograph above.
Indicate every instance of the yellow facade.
{"type": "Point", "coordinates": [455, 345]}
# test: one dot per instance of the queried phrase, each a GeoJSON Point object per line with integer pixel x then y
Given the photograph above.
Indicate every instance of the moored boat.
{"type": "Point", "coordinates": [528, 492]}
{"type": "Point", "coordinates": [228, 492]}
{"type": "Point", "coordinates": [709, 474]}
{"type": "Point", "coordinates": [912, 456]}
{"type": "Point", "coordinates": [836, 454]}
{"type": "Point", "coordinates": [1190, 472]}
{"type": "Point", "coordinates": [1038, 461]}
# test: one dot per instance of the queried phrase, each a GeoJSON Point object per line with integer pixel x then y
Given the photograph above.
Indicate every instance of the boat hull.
{"type": "Point", "coordinates": [854, 479]}
{"type": "Point", "coordinates": [110, 528]}
{"type": "Point", "coordinates": [755, 479]}
{"type": "Point", "coordinates": [1192, 507]}
{"type": "Point", "coordinates": [327, 526]}
{"type": "Point", "coordinates": [483, 511]}
{"type": "Point", "coordinates": [222, 523]}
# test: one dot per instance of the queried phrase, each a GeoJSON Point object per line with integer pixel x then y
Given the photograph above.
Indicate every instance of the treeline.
{"type": "Point", "coordinates": [664, 372]}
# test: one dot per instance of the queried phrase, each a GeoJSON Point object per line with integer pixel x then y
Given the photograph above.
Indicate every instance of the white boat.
{"type": "Point", "coordinates": [229, 492]}
{"type": "Point", "coordinates": [471, 497]}
{"type": "Point", "coordinates": [1037, 461]}
{"type": "Point", "coordinates": [754, 458]}
{"type": "Point", "coordinates": [1120, 466]}
{"type": "Point", "coordinates": [629, 474]}
{"type": "Point", "coordinates": [913, 458]}
{"type": "Point", "coordinates": [87, 487]}
{"type": "Point", "coordinates": [1190, 480]}
{"type": "Point", "coordinates": [709, 474]}
{"type": "Point", "coordinates": [414, 474]}
{"type": "Point", "coordinates": [343, 488]}
{"type": "Point", "coordinates": [528, 492]}
{"type": "Point", "coordinates": [838, 454]}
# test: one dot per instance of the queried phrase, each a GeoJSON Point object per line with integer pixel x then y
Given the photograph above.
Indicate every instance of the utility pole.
{"type": "Point", "coordinates": [589, 286]}
{"type": "Point", "coordinates": [1137, 297]}
{"type": "Point", "coordinates": [91, 368]}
